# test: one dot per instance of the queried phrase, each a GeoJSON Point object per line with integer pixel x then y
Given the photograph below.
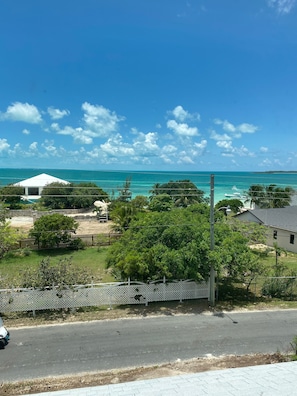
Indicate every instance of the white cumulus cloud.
{"type": "Point", "coordinates": [99, 120]}
{"type": "Point", "coordinates": [229, 150]}
{"type": "Point", "coordinates": [282, 6]}
{"type": "Point", "coordinates": [56, 114]}
{"type": "Point", "coordinates": [24, 112]}
{"type": "Point", "coordinates": [182, 129]}
{"type": "Point", "coordinates": [236, 130]}
{"type": "Point", "coordinates": [33, 146]}
{"type": "Point", "coordinates": [50, 149]}
{"type": "Point", "coordinates": [4, 145]}
{"type": "Point", "coordinates": [202, 145]}
{"type": "Point", "coordinates": [79, 135]}
{"type": "Point", "coordinates": [146, 144]}
{"type": "Point", "coordinates": [184, 158]}
{"type": "Point", "coordinates": [247, 128]}
{"type": "Point", "coordinates": [116, 147]}
{"type": "Point", "coordinates": [180, 114]}
{"type": "Point", "coordinates": [216, 136]}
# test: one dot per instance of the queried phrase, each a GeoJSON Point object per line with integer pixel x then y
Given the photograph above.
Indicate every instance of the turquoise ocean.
{"type": "Point", "coordinates": [143, 181]}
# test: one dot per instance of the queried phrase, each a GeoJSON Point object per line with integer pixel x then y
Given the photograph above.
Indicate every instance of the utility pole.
{"type": "Point", "coordinates": [212, 270]}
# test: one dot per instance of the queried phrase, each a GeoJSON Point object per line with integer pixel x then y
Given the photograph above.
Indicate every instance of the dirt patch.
{"type": "Point", "coordinates": [136, 374]}
{"type": "Point", "coordinates": [86, 226]}
{"type": "Point", "coordinates": [91, 227]}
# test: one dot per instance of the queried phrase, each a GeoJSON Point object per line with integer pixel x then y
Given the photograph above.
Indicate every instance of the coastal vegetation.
{"type": "Point", "coordinates": [22, 267]}
{"type": "Point", "coordinates": [51, 230]}
{"type": "Point", "coordinates": [8, 236]}
{"type": "Point", "coordinates": [71, 196]}
{"type": "Point", "coordinates": [182, 193]}
{"type": "Point", "coordinates": [164, 235]}
{"type": "Point", "coordinates": [10, 196]}
{"type": "Point", "coordinates": [270, 196]}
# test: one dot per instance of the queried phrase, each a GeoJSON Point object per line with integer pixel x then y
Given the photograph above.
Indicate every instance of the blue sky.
{"type": "Point", "coordinates": [192, 85]}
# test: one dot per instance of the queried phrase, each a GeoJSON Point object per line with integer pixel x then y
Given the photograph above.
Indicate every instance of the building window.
{"type": "Point", "coordinates": [274, 234]}
{"type": "Point", "coordinates": [33, 191]}
{"type": "Point", "coordinates": [292, 237]}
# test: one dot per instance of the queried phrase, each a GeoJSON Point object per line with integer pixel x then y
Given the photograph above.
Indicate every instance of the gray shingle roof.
{"type": "Point", "coordinates": [283, 218]}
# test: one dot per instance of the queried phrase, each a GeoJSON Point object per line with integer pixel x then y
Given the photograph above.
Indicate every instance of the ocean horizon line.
{"type": "Point", "coordinates": [147, 170]}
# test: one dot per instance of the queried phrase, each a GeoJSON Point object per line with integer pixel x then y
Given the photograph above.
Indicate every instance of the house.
{"type": "Point", "coordinates": [34, 185]}
{"type": "Point", "coordinates": [281, 224]}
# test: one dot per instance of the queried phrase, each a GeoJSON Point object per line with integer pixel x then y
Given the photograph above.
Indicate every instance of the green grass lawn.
{"type": "Point", "coordinates": [288, 259]}
{"type": "Point", "coordinates": [12, 266]}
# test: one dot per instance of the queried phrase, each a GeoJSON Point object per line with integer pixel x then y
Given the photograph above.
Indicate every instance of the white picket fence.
{"type": "Point", "coordinates": [105, 294]}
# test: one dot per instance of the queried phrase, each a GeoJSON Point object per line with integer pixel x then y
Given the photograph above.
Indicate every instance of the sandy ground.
{"type": "Point", "coordinates": [88, 225]}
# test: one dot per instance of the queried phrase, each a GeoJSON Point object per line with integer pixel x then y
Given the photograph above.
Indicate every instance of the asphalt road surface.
{"type": "Point", "coordinates": [102, 345]}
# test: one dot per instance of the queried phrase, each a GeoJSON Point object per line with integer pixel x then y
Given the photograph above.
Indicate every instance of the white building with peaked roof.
{"type": "Point", "coordinates": [34, 185]}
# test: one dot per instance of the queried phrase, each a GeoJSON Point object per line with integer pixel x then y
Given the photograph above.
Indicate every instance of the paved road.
{"type": "Point", "coordinates": [102, 345]}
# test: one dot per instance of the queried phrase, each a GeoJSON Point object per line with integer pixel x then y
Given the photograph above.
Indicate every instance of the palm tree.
{"type": "Point", "coordinates": [255, 195]}
{"type": "Point", "coordinates": [270, 196]}
{"type": "Point", "coordinates": [182, 192]}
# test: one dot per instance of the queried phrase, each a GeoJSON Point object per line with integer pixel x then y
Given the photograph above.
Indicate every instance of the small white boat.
{"type": "Point", "coordinates": [236, 194]}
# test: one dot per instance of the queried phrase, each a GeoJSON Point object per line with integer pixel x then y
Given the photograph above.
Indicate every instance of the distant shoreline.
{"type": "Point", "coordinates": [274, 172]}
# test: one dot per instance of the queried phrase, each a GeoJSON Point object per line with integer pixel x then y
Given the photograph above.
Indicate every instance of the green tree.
{"type": "Point", "coordinates": [125, 194]}
{"type": "Point", "coordinates": [140, 202]}
{"type": "Point", "coordinates": [8, 236]}
{"type": "Point", "coordinates": [122, 213]}
{"type": "Point", "coordinates": [72, 196]}
{"type": "Point", "coordinates": [279, 197]}
{"type": "Point", "coordinates": [83, 195]}
{"type": "Point", "coordinates": [182, 192]}
{"type": "Point", "coordinates": [11, 196]}
{"type": "Point", "coordinates": [235, 205]}
{"type": "Point", "coordinates": [4, 214]}
{"type": "Point", "coordinates": [56, 195]}
{"type": "Point", "coordinates": [51, 230]}
{"type": "Point", "coordinates": [161, 203]}
{"type": "Point", "coordinates": [253, 232]}
{"type": "Point", "coordinates": [270, 196]}
{"type": "Point", "coordinates": [176, 244]}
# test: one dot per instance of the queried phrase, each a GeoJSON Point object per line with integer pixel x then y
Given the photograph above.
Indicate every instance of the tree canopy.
{"type": "Point", "coordinates": [11, 195]}
{"type": "Point", "coordinates": [124, 192]}
{"type": "Point", "coordinates": [51, 230]}
{"type": "Point", "coordinates": [235, 205]}
{"type": "Point", "coordinates": [270, 196]}
{"type": "Point", "coordinates": [176, 244]}
{"type": "Point", "coordinates": [182, 192]}
{"type": "Point", "coordinates": [72, 196]}
{"type": "Point", "coordinates": [160, 203]}
{"type": "Point", "coordinates": [8, 236]}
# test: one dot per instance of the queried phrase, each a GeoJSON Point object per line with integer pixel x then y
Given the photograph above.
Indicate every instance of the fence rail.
{"type": "Point", "coordinates": [125, 293]}
{"type": "Point", "coordinates": [105, 239]}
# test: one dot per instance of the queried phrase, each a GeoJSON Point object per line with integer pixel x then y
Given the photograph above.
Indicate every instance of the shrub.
{"type": "Point", "coordinates": [278, 287]}
{"type": "Point", "coordinates": [76, 244]}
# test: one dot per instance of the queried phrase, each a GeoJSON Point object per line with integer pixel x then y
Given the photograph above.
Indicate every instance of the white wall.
{"type": "Point", "coordinates": [282, 239]}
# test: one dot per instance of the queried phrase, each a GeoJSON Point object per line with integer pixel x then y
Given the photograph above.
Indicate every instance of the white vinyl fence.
{"type": "Point", "coordinates": [125, 293]}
